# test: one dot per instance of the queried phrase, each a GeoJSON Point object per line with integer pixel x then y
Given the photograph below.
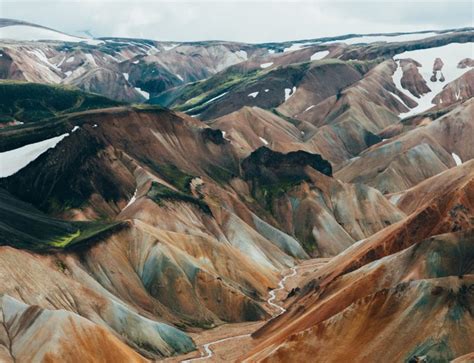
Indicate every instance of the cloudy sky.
{"type": "Point", "coordinates": [244, 20]}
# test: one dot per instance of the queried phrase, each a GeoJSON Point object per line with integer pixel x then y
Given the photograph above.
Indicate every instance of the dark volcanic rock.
{"type": "Point", "coordinates": [268, 167]}
{"type": "Point", "coordinates": [214, 136]}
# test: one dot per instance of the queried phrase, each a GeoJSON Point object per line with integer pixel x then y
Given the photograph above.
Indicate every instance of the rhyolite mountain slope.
{"type": "Point", "coordinates": [137, 224]}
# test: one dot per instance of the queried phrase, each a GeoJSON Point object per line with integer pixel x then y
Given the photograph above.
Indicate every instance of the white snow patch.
{"type": "Point", "coordinates": [94, 125]}
{"type": "Point", "coordinates": [266, 90]}
{"type": "Point", "coordinates": [38, 53]}
{"type": "Point", "coordinates": [68, 73]}
{"type": "Point", "coordinates": [12, 161]}
{"type": "Point", "coordinates": [456, 158]}
{"type": "Point", "coordinates": [289, 92]}
{"type": "Point", "coordinates": [75, 128]}
{"type": "Point", "coordinates": [33, 33]}
{"type": "Point", "coordinates": [169, 47]}
{"type": "Point", "coordinates": [133, 199]}
{"type": "Point", "coordinates": [309, 108]}
{"type": "Point", "coordinates": [69, 60]}
{"type": "Point", "coordinates": [214, 98]}
{"type": "Point", "coordinates": [241, 54]}
{"type": "Point", "coordinates": [263, 140]}
{"type": "Point", "coordinates": [450, 54]}
{"type": "Point", "coordinates": [266, 65]}
{"type": "Point", "coordinates": [319, 55]}
{"type": "Point", "coordinates": [384, 38]}
{"type": "Point", "coordinates": [253, 94]}
{"type": "Point", "coordinates": [61, 62]}
{"type": "Point", "coordinates": [224, 135]}
{"type": "Point", "coordinates": [90, 58]}
{"type": "Point", "coordinates": [136, 62]}
{"type": "Point", "coordinates": [398, 99]}
{"type": "Point", "coordinates": [271, 51]}
{"type": "Point", "coordinates": [125, 75]}
{"type": "Point", "coordinates": [394, 198]}
{"type": "Point", "coordinates": [143, 93]}
{"type": "Point", "coordinates": [297, 46]}
{"type": "Point", "coordinates": [180, 78]}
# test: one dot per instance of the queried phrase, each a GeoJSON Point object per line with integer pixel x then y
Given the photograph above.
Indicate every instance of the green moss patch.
{"type": "Point", "coordinates": [31, 102]}
{"type": "Point", "coordinates": [160, 193]}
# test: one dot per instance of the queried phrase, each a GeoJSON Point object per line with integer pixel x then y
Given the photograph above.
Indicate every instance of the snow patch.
{"type": "Point", "coordinates": [241, 54]}
{"type": "Point", "coordinates": [297, 46]}
{"type": "Point", "coordinates": [61, 62]}
{"type": "Point", "coordinates": [133, 199]}
{"type": "Point", "coordinates": [266, 65]}
{"type": "Point", "coordinates": [384, 38]}
{"type": "Point", "coordinates": [456, 158]}
{"type": "Point", "coordinates": [263, 140]}
{"type": "Point", "coordinates": [289, 92]}
{"type": "Point", "coordinates": [395, 198]}
{"type": "Point", "coordinates": [398, 99]}
{"type": "Point", "coordinates": [224, 136]}
{"type": "Point", "coordinates": [253, 94]}
{"type": "Point", "coordinates": [143, 93]}
{"type": "Point", "coordinates": [319, 55]}
{"type": "Point", "coordinates": [309, 108]}
{"type": "Point", "coordinates": [90, 58]}
{"type": "Point", "coordinates": [180, 78]}
{"type": "Point", "coordinates": [75, 128]}
{"type": "Point", "coordinates": [12, 161]}
{"type": "Point", "coordinates": [450, 54]}
{"type": "Point", "coordinates": [69, 60]}
{"type": "Point", "coordinates": [33, 33]}
{"type": "Point", "coordinates": [38, 53]}
{"type": "Point", "coordinates": [136, 62]}
{"type": "Point", "coordinates": [125, 75]}
{"type": "Point", "coordinates": [169, 47]}
{"type": "Point", "coordinates": [214, 98]}
{"type": "Point", "coordinates": [266, 90]}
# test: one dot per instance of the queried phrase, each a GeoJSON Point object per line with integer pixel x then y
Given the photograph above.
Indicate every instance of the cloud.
{"type": "Point", "coordinates": [249, 21]}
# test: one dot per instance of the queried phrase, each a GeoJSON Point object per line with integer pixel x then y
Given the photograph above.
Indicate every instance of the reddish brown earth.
{"type": "Point", "coordinates": [146, 233]}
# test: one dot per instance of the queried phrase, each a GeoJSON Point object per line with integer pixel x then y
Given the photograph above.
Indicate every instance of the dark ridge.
{"type": "Point", "coordinates": [214, 136]}
{"type": "Point", "coordinates": [267, 167]}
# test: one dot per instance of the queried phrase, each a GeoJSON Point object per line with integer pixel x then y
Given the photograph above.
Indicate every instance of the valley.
{"type": "Point", "coordinates": [221, 201]}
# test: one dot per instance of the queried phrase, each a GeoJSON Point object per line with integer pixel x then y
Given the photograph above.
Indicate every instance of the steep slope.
{"type": "Point", "coordinates": [22, 102]}
{"type": "Point", "coordinates": [324, 214]}
{"type": "Point", "coordinates": [430, 280]}
{"type": "Point", "coordinates": [30, 333]}
{"type": "Point", "coordinates": [378, 278]}
{"type": "Point", "coordinates": [265, 87]}
{"type": "Point", "coordinates": [403, 161]}
{"type": "Point", "coordinates": [251, 127]}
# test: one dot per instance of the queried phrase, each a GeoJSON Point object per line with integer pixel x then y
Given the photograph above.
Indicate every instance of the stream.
{"type": "Point", "coordinates": [208, 353]}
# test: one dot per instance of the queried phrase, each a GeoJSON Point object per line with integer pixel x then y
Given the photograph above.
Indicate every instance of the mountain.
{"type": "Point", "coordinates": [283, 201]}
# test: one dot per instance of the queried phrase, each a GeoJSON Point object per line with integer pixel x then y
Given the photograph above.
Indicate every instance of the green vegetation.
{"type": "Point", "coordinates": [175, 176]}
{"type": "Point", "coordinates": [43, 233]}
{"type": "Point", "coordinates": [31, 102]}
{"type": "Point", "coordinates": [197, 94]}
{"type": "Point", "coordinates": [160, 193]}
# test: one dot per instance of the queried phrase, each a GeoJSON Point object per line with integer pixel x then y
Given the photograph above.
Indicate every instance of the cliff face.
{"type": "Point", "coordinates": [266, 167]}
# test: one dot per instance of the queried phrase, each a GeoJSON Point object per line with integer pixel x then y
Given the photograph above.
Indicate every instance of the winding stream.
{"type": "Point", "coordinates": [208, 353]}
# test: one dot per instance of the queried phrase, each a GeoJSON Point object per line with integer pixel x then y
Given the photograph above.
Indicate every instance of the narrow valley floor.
{"type": "Point", "coordinates": [228, 342]}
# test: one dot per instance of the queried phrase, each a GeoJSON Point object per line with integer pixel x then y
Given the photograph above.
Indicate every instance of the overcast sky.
{"type": "Point", "coordinates": [247, 21]}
